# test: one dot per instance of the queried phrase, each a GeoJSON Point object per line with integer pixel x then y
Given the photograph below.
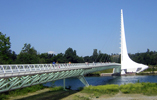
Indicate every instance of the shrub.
{"type": "Point", "coordinates": [3, 96]}
{"type": "Point", "coordinates": [149, 88]}
{"type": "Point", "coordinates": [131, 88]}
{"type": "Point", "coordinates": [102, 89]}
{"type": "Point", "coordinates": [26, 90]}
{"type": "Point", "coordinates": [125, 88]}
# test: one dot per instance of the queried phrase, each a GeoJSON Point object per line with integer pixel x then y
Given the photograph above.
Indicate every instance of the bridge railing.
{"type": "Point", "coordinates": [25, 69]}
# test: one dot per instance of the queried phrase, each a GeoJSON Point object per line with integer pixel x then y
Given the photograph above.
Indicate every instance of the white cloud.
{"type": "Point", "coordinates": [51, 52]}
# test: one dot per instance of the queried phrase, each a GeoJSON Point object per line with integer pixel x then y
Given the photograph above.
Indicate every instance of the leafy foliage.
{"type": "Point", "coordinates": [97, 57]}
{"type": "Point", "coordinates": [45, 58]}
{"type": "Point", "coordinates": [71, 56]}
{"type": "Point", "coordinates": [148, 58]}
{"type": "Point", "coordinates": [28, 55]}
{"type": "Point", "coordinates": [6, 55]}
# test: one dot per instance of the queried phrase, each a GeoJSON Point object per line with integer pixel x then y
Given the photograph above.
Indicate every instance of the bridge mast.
{"type": "Point", "coordinates": [127, 65]}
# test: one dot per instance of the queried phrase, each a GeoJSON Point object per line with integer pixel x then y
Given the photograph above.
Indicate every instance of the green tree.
{"type": "Point", "coordinates": [88, 59]}
{"type": "Point", "coordinates": [95, 54]}
{"type": "Point", "coordinates": [28, 55]}
{"type": "Point", "coordinates": [71, 56]}
{"type": "Point", "coordinates": [13, 57]}
{"type": "Point", "coordinates": [4, 48]}
{"type": "Point", "coordinates": [46, 58]}
{"type": "Point", "coordinates": [60, 58]}
{"type": "Point", "coordinates": [148, 57]}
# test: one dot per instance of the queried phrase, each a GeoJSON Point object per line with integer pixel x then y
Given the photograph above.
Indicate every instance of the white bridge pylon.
{"type": "Point", "coordinates": [127, 65]}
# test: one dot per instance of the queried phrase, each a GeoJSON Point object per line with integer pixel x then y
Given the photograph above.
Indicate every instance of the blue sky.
{"type": "Point", "coordinates": [84, 25]}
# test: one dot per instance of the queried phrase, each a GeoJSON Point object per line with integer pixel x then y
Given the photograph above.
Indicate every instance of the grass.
{"type": "Point", "coordinates": [131, 88]}
{"type": "Point", "coordinates": [139, 88]}
{"type": "Point", "coordinates": [103, 71]}
{"type": "Point", "coordinates": [97, 91]}
{"type": "Point", "coordinates": [89, 92]}
{"type": "Point", "coordinates": [136, 88]}
{"type": "Point", "coordinates": [51, 93]}
{"type": "Point", "coordinates": [56, 88]}
{"type": "Point", "coordinates": [55, 93]}
{"type": "Point", "coordinates": [107, 71]}
{"type": "Point", "coordinates": [21, 91]}
{"type": "Point", "coordinates": [3, 96]}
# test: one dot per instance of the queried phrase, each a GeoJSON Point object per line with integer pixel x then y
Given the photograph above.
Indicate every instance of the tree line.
{"type": "Point", "coordinates": [148, 57]}
{"type": "Point", "coordinates": [29, 55]}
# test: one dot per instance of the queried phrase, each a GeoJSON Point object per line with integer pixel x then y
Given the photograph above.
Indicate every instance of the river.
{"type": "Point", "coordinates": [76, 83]}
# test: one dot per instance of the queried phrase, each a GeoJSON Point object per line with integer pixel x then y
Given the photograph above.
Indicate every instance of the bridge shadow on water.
{"type": "Point", "coordinates": [50, 95]}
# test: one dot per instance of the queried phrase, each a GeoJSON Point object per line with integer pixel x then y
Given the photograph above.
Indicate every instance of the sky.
{"type": "Point", "coordinates": [83, 25]}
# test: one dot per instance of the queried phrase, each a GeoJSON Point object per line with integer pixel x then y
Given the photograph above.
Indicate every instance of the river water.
{"type": "Point", "coordinates": [76, 83]}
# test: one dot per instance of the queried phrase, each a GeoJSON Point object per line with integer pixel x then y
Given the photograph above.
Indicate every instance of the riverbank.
{"type": "Point", "coordinates": [128, 74]}
{"type": "Point", "coordinates": [75, 95]}
{"type": "Point", "coordinates": [118, 96]}
{"type": "Point", "coordinates": [47, 94]}
{"type": "Point", "coordinates": [109, 73]}
{"type": "Point", "coordinates": [147, 73]}
{"type": "Point", "coordinates": [140, 91]}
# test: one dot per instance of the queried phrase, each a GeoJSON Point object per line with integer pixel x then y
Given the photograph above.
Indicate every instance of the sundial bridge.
{"type": "Point", "coordinates": [22, 75]}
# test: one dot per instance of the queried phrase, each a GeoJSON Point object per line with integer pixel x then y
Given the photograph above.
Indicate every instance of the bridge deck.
{"type": "Point", "coordinates": [31, 69]}
{"type": "Point", "coordinates": [23, 75]}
